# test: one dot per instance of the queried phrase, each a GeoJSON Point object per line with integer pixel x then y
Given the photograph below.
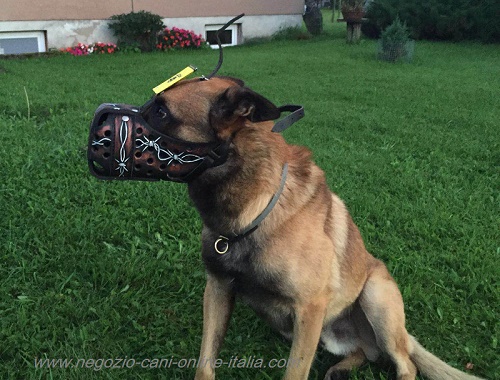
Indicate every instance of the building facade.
{"type": "Point", "coordinates": [37, 26]}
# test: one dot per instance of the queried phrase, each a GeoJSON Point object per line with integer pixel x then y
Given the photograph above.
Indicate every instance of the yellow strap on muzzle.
{"type": "Point", "coordinates": [173, 80]}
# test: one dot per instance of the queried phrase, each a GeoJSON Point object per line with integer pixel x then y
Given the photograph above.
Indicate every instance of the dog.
{"type": "Point", "coordinates": [303, 267]}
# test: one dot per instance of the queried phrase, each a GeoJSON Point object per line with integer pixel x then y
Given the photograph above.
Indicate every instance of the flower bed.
{"type": "Point", "coordinates": [169, 38]}
{"type": "Point", "coordinates": [95, 48]}
{"type": "Point", "coordinates": [177, 38]}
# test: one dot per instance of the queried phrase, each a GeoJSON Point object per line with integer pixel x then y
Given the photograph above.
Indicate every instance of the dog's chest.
{"type": "Point", "coordinates": [252, 280]}
{"type": "Point", "coordinates": [243, 267]}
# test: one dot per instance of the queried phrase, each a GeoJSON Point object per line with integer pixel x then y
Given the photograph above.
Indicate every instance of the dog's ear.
{"type": "Point", "coordinates": [238, 102]}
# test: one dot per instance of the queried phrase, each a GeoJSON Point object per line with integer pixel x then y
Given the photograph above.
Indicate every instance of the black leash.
{"type": "Point", "coordinates": [221, 56]}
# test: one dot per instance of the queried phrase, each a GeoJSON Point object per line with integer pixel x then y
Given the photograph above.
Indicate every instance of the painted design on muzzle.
{"type": "Point", "coordinates": [165, 154]}
{"type": "Point", "coordinates": [122, 145]}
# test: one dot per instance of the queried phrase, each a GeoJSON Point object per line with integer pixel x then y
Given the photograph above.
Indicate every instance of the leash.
{"type": "Point", "coordinates": [221, 57]}
{"type": "Point", "coordinates": [222, 243]}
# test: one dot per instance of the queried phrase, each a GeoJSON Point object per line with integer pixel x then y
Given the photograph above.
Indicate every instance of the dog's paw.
{"type": "Point", "coordinates": [333, 374]}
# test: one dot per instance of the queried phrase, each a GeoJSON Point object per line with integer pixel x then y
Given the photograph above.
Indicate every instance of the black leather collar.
{"type": "Point", "coordinates": [297, 113]}
{"type": "Point", "coordinates": [222, 243]}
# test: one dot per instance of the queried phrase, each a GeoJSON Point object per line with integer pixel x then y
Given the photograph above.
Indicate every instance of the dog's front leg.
{"type": "Point", "coordinates": [218, 302]}
{"type": "Point", "coordinates": [308, 324]}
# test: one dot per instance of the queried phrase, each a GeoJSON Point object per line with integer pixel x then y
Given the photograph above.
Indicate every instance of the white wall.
{"type": "Point", "coordinates": [62, 34]}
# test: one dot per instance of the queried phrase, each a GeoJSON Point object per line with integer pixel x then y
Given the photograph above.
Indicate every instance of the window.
{"type": "Point", "coordinates": [228, 37]}
{"type": "Point", "coordinates": [22, 42]}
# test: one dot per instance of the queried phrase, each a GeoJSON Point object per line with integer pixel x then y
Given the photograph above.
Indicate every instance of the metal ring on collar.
{"type": "Point", "coordinates": [224, 241]}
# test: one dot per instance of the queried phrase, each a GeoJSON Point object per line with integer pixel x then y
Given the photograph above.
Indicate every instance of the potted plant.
{"type": "Point", "coordinates": [395, 43]}
{"type": "Point", "coordinates": [352, 10]}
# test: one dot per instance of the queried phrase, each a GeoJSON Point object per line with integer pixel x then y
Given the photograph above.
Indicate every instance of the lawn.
{"type": "Point", "coordinates": [94, 269]}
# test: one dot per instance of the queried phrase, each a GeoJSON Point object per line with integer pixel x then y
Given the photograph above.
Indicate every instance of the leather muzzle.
{"type": "Point", "coordinates": [122, 145]}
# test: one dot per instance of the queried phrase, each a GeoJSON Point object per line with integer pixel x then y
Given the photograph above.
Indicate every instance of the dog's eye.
{"type": "Point", "coordinates": [162, 113]}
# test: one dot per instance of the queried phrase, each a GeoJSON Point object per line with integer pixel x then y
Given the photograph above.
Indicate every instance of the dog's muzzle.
{"type": "Point", "coordinates": [122, 145]}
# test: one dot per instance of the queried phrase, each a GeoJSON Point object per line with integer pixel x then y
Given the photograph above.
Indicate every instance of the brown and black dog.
{"type": "Point", "coordinates": [305, 269]}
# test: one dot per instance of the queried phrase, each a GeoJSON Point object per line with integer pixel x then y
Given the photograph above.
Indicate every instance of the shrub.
{"type": "Point", "coordinates": [485, 20]}
{"type": "Point", "coordinates": [137, 29]}
{"type": "Point", "coordinates": [176, 38]}
{"type": "Point", "coordinates": [395, 43]}
{"type": "Point", "coordinates": [437, 19]}
{"type": "Point", "coordinates": [291, 33]}
{"type": "Point", "coordinates": [95, 48]}
{"type": "Point", "coordinates": [396, 33]}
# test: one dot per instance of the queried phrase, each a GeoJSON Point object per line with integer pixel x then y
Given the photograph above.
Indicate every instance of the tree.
{"type": "Point", "coordinates": [313, 17]}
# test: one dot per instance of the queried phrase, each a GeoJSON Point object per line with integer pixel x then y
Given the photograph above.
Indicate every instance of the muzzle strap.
{"type": "Point", "coordinates": [297, 113]}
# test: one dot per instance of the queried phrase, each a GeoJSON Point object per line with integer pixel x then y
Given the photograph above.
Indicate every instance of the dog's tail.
{"type": "Point", "coordinates": [434, 368]}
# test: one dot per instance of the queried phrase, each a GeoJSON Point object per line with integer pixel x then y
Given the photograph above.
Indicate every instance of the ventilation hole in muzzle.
{"type": "Point", "coordinates": [102, 119]}
{"type": "Point", "coordinates": [106, 154]}
{"type": "Point", "coordinates": [137, 167]}
{"type": "Point", "coordinates": [149, 173]}
{"type": "Point", "coordinates": [95, 148]}
{"type": "Point", "coordinates": [163, 166]}
{"type": "Point", "coordinates": [138, 131]}
{"type": "Point", "coordinates": [107, 133]}
{"type": "Point", "coordinates": [97, 167]}
{"type": "Point", "coordinates": [150, 161]}
{"type": "Point", "coordinates": [138, 154]}
{"type": "Point", "coordinates": [107, 144]}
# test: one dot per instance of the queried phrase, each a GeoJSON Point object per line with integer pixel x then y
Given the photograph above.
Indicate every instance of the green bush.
{"type": "Point", "coordinates": [137, 29]}
{"type": "Point", "coordinates": [486, 23]}
{"type": "Point", "coordinates": [395, 43]}
{"type": "Point", "coordinates": [438, 19]}
{"type": "Point", "coordinates": [396, 33]}
{"type": "Point", "coordinates": [290, 34]}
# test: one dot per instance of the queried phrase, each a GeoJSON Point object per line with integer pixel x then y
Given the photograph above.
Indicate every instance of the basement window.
{"type": "Point", "coordinates": [228, 37]}
{"type": "Point", "coordinates": [22, 42]}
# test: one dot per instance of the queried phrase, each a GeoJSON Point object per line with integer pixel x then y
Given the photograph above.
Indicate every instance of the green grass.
{"type": "Point", "coordinates": [94, 269]}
